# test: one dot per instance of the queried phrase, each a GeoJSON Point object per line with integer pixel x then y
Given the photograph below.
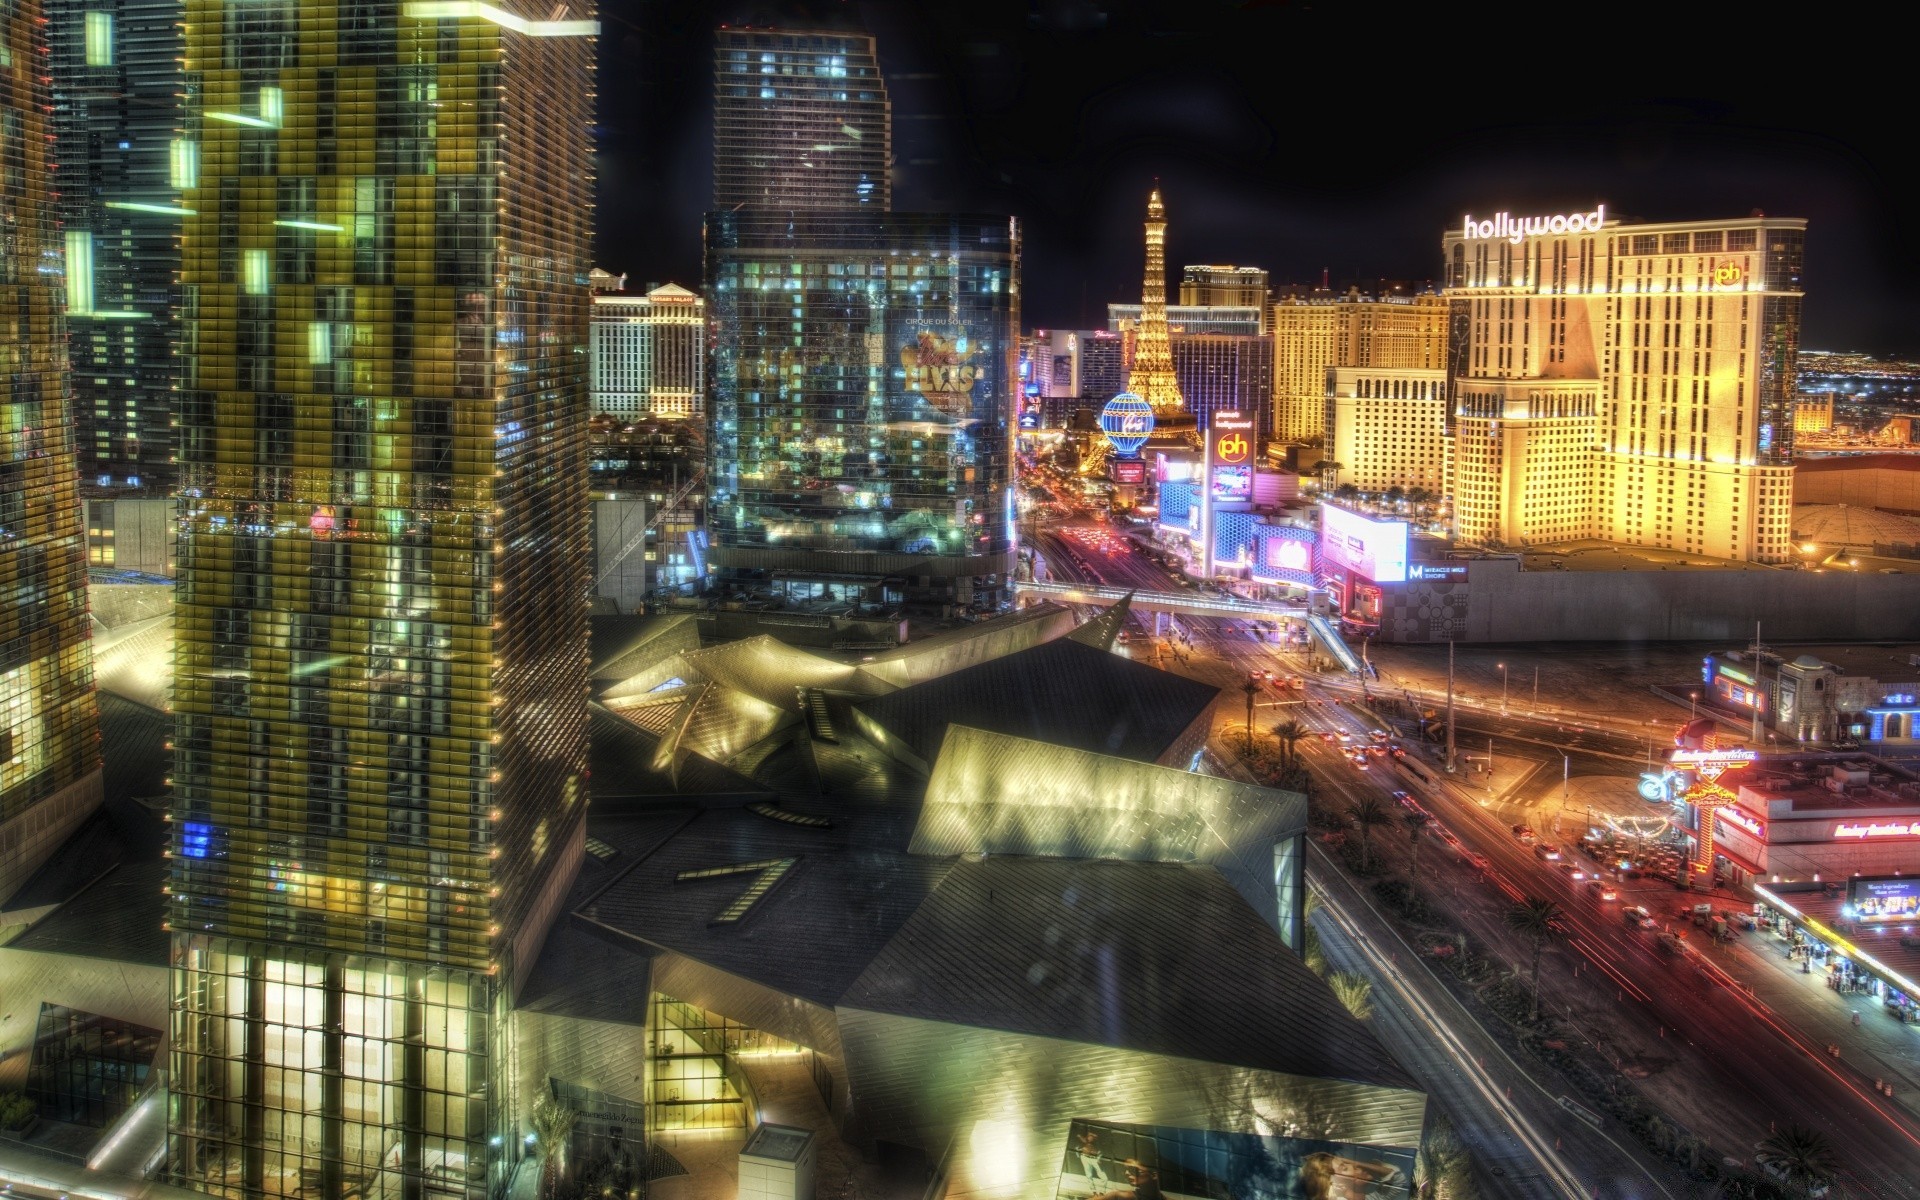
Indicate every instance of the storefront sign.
{"type": "Point", "coordinates": [1859, 831]}
{"type": "Point", "coordinates": [1900, 698]}
{"type": "Point", "coordinates": [1741, 819]}
{"type": "Point", "coordinates": [1435, 571]}
{"type": "Point", "coordinates": [1519, 229]}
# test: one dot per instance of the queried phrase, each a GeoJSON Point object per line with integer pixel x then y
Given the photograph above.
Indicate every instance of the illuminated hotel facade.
{"type": "Point", "coordinates": [380, 653]}
{"type": "Point", "coordinates": [49, 739]}
{"type": "Point", "coordinates": [1351, 330]}
{"type": "Point", "coordinates": [1388, 428]}
{"type": "Point", "coordinates": [1668, 350]}
{"type": "Point", "coordinates": [649, 354]}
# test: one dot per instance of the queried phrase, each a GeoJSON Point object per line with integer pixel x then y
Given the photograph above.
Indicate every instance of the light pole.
{"type": "Point", "coordinates": [1693, 705]}
{"type": "Point", "coordinates": [1503, 686]}
{"type": "Point", "coordinates": [1252, 689]}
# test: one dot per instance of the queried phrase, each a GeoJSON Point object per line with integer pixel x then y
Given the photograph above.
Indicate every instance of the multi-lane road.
{"type": "Point", "coordinates": [1722, 1063]}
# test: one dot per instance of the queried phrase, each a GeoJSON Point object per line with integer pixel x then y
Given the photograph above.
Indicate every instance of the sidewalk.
{"type": "Point", "coordinates": [1880, 1047]}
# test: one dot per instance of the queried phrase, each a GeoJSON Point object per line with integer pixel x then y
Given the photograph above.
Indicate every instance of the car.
{"type": "Point", "coordinates": [1522, 832]}
{"type": "Point", "coordinates": [1779, 1175]}
{"type": "Point", "coordinates": [1327, 737]}
{"type": "Point", "coordinates": [1377, 751]}
{"type": "Point", "coordinates": [1638, 917]}
{"type": "Point", "coordinates": [1344, 736]}
{"type": "Point", "coordinates": [1548, 851]}
{"type": "Point", "coordinates": [1600, 889]}
{"type": "Point", "coordinates": [1361, 763]}
{"type": "Point", "coordinates": [1571, 868]}
{"type": "Point", "coordinates": [1378, 735]}
{"type": "Point", "coordinates": [1403, 796]}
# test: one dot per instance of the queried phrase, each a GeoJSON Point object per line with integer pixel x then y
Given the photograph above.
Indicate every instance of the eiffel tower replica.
{"type": "Point", "coordinates": [1152, 377]}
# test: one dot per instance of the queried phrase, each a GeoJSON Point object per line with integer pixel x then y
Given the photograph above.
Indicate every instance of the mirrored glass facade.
{"type": "Point", "coordinates": [88, 1069]}
{"type": "Point", "coordinates": [380, 664]}
{"type": "Point", "coordinates": [120, 170]}
{"type": "Point", "coordinates": [49, 739]}
{"type": "Point", "coordinates": [861, 396]}
{"type": "Point", "coordinates": [801, 120]}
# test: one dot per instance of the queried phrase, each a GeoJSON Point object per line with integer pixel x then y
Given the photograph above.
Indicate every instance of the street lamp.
{"type": "Point", "coordinates": [1503, 686]}
{"type": "Point", "coordinates": [1252, 689]}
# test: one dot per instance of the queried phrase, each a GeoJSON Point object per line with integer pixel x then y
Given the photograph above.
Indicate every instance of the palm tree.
{"type": "Point", "coordinates": [553, 1124]}
{"type": "Point", "coordinates": [1346, 491]}
{"type": "Point", "coordinates": [1416, 825]}
{"type": "Point", "coordinates": [1536, 920]}
{"type": "Point", "coordinates": [1803, 1157]}
{"type": "Point", "coordinates": [1290, 733]}
{"type": "Point", "coordinates": [1368, 813]}
{"type": "Point", "coordinates": [1353, 991]}
{"type": "Point", "coordinates": [1396, 494]}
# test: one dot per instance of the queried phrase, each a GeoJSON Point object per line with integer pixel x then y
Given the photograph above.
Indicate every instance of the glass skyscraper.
{"type": "Point", "coordinates": [861, 400]}
{"type": "Point", "coordinates": [49, 739]}
{"type": "Point", "coordinates": [801, 120]}
{"type": "Point", "coordinates": [119, 172]}
{"type": "Point", "coordinates": [380, 671]}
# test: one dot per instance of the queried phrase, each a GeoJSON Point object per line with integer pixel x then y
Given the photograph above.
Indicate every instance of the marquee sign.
{"type": "Point", "coordinates": [1861, 831]}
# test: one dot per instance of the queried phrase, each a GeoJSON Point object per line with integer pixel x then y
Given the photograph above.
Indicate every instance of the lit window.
{"type": "Point", "coordinates": [183, 163]}
{"type": "Point", "coordinates": [79, 272]}
{"type": "Point", "coordinates": [99, 38]}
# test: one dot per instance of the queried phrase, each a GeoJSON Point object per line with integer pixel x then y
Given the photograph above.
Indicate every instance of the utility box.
{"type": "Point", "coordinates": [777, 1163]}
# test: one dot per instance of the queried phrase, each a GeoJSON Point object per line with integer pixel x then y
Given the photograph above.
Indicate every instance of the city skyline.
{"type": "Point", "coordinates": [1036, 112]}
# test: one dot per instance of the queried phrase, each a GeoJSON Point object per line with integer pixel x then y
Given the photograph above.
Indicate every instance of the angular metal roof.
{"type": "Point", "coordinates": [995, 794]}
{"type": "Point", "coordinates": [1104, 630]}
{"type": "Point", "coordinates": [1063, 691]}
{"type": "Point", "coordinates": [1152, 957]}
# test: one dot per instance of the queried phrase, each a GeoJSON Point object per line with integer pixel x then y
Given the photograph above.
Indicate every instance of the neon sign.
{"type": "Point", "coordinates": [1729, 274]}
{"type": "Point", "coordinates": [1517, 230]}
{"type": "Point", "coordinates": [1900, 698]}
{"type": "Point", "coordinates": [1714, 760]}
{"type": "Point", "coordinates": [1740, 819]}
{"type": "Point", "coordinates": [1854, 831]}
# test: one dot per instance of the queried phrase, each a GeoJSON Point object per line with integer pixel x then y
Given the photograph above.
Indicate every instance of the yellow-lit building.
{"type": "Point", "coordinates": [1813, 416]}
{"type": "Point", "coordinates": [1684, 335]}
{"type": "Point", "coordinates": [380, 663]}
{"type": "Point", "coordinates": [1388, 428]}
{"type": "Point", "coordinates": [49, 730]}
{"type": "Point", "coordinates": [1353, 330]}
{"type": "Point", "coordinates": [1223, 287]}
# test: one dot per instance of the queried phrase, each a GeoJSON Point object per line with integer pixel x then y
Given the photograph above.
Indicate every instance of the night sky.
{"type": "Point", "coordinates": [1303, 138]}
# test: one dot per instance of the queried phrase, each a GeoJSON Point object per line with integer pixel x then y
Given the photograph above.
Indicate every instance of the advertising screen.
{"type": "Point", "coordinates": [940, 364]}
{"type": "Point", "coordinates": [1373, 549]}
{"type": "Point", "coordinates": [1232, 483]}
{"type": "Point", "coordinates": [1286, 555]}
{"type": "Point", "coordinates": [1128, 470]}
{"type": "Point", "coordinates": [1109, 1161]}
{"type": "Point", "coordinates": [1885, 899]}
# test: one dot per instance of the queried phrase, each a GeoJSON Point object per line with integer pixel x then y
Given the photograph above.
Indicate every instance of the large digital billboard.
{"type": "Point", "coordinates": [1107, 1160]}
{"type": "Point", "coordinates": [1884, 899]}
{"type": "Point", "coordinates": [1372, 549]}
{"type": "Point", "coordinates": [1285, 554]}
{"type": "Point", "coordinates": [1230, 457]}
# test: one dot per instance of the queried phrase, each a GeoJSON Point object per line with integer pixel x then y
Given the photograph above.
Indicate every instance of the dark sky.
{"type": "Point", "coordinates": [1306, 137]}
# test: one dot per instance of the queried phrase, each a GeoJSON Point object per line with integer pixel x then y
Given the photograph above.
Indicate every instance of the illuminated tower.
{"type": "Point", "coordinates": [119, 171]}
{"type": "Point", "coordinates": [1152, 377]}
{"type": "Point", "coordinates": [49, 740]}
{"type": "Point", "coordinates": [380, 663]}
{"type": "Point", "coordinates": [800, 120]}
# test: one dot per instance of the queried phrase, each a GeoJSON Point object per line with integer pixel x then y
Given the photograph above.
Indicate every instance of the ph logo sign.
{"type": "Point", "coordinates": [1232, 448]}
{"type": "Point", "coordinates": [1728, 274]}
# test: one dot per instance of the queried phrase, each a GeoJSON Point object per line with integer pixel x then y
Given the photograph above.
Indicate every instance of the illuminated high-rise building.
{"type": "Point", "coordinates": [801, 121]}
{"type": "Point", "coordinates": [1223, 287]}
{"type": "Point", "coordinates": [1388, 429]}
{"type": "Point", "coordinates": [380, 649]}
{"type": "Point", "coordinates": [1649, 368]}
{"type": "Point", "coordinates": [1311, 334]}
{"type": "Point", "coordinates": [860, 408]}
{"type": "Point", "coordinates": [1152, 378]}
{"type": "Point", "coordinates": [49, 727]}
{"type": "Point", "coordinates": [649, 354]}
{"type": "Point", "coordinates": [120, 171]}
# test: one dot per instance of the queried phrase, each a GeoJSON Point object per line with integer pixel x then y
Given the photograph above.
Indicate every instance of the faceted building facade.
{"type": "Point", "coordinates": [861, 400]}
{"type": "Point", "coordinates": [380, 664]}
{"type": "Point", "coordinates": [120, 171]}
{"type": "Point", "coordinates": [1655, 364]}
{"type": "Point", "coordinates": [801, 120]}
{"type": "Point", "coordinates": [49, 736]}
{"type": "Point", "coordinates": [1351, 330]}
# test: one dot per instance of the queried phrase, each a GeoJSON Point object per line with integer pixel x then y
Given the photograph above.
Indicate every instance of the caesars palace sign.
{"type": "Point", "coordinates": [1518, 229]}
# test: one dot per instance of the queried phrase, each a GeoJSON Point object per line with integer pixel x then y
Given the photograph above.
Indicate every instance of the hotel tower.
{"type": "Point", "coordinates": [1632, 383]}
{"type": "Point", "coordinates": [380, 664]}
{"type": "Point", "coordinates": [49, 739]}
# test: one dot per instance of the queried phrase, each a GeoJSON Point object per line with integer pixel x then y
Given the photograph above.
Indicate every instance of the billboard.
{"type": "Point", "coordinates": [1127, 470]}
{"type": "Point", "coordinates": [1230, 457]}
{"type": "Point", "coordinates": [939, 362]}
{"type": "Point", "coordinates": [1105, 1160]}
{"type": "Point", "coordinates": [1286, 554]}
{"type": "Point", "coordinates": [1370, 548]}
{"type": "Point", "coordinates": [1884, 899]}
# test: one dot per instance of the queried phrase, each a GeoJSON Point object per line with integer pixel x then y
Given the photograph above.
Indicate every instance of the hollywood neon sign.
{"type": "Point", "coordinates": [1519, 229]}
{"type": "Point", "coordinates": [1877, 829]}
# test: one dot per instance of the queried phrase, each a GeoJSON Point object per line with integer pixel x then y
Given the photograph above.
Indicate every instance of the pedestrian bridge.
{"type": "Point", "coordinates": [1195, 605]}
